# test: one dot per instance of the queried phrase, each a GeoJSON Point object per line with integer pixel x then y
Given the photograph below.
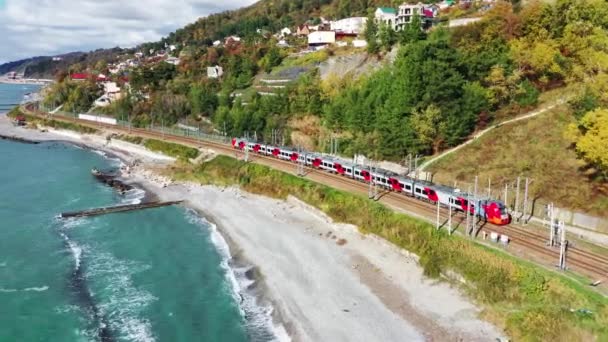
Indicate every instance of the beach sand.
{"type": "Point", "coordinates": [326, 281]}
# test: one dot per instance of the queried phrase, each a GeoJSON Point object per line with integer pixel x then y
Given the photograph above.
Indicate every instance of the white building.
{"type": "Point", "coordinates": [408, 11]}
{"type": "Point", "coordinates": [217, 43]}
{"type": "Point", "coordinates": [319, 38]}
{"type": "Point", "coordinates": [286, 31]}
{"type": "Point", "coordinates": [386, 15]}
{"type": "Point", "coordinates": [349, 25]}
{"type": "Point", "coordinates": [103, 101]}
{"type": "Point", "coordinates": [359, 43]}
{"type": "Point", "coordinates": [215, 71]}
{"type": "Point", "coordinates": [111, 91]}
{"type": "Point", "coordinates": [173, 60]}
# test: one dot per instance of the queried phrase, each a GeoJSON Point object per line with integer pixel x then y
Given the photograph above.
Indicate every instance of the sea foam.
{"type": "Point", "coordinates": [258, 317]}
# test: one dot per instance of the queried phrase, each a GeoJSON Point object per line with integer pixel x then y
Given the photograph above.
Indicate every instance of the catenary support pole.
{"type": "Point", "coordinates": [450, 218]}
{"type": "Point", "coordinates": [563, 246]}
{"type": "Point", "coordinates": [437, 224]}
{"type": "Point", "coordinates": [516, 210]}
{"type": "Point", "coordinates": [525, 208]}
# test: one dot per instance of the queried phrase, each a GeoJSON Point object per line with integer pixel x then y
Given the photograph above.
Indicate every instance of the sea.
{"type": "Point", "coordinates": [161, 274]}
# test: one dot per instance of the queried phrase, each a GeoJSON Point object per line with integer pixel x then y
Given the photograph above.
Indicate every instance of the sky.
{"type": "Point", "coordinates": [50, 27]}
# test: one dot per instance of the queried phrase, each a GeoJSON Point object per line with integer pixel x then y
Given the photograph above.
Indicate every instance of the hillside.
{"type": "Point", "coordinates": [445, 84]}
{"type": "Point", "coordinates": [49, 67]}
{"type": "Point", "coordinates": [534, 148]}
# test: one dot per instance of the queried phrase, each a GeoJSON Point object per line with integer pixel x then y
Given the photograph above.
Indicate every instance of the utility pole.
{"type": "Point", "coordinates": [475, 191]}
{"type": "Point", "coordinates": [551, 225]}
{"type": "Point", "coordinates": [489, 187]}
{"type": "Point", "coordinates": [409, 167]}
{"type": "Point", "coordinates": [563, 247]}
{"type": "Point", "coordinates": [246, 148]}
{"type": "Point", "coordinates": [468, 209]}
{"type": "Point", "coordinates": [517, 200]}
{"type": "Point", "coordinates": [506, 194]}
{"type": "Point", "coordinates": [525, 209]}
{"type": "Point", "coordinates": [450, 218]}
{"type": "Point", "coordinates": [416, 167]}
{"type": "Point", "coordinates": [371, 180]}
{"type": "Point", "coordinates": [437, 225]}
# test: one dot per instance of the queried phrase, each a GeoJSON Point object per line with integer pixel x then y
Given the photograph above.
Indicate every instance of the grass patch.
{"type": "Point", "coordinates": [309, 59]}
{"type": "Point", "coordinates": [534, 148]}
{"type": "Point", "coordinates": [174, 150]}
{"type": "Point", "coordinates": [131, 139]}
{"type": "Point", "coordinates": [52, 123]}
{"type": "Point", "coordinates": [529, 302]}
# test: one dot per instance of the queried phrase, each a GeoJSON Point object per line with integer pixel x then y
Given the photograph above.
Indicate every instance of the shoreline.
{"type": "Point", "coordinates": [367, 289]}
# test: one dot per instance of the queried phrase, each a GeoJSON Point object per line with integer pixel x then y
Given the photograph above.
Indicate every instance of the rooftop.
{"type": "Point", "coordinates": [387, 10]}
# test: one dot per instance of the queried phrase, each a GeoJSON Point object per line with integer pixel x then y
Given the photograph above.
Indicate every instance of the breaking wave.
{"type": "Point", "coordinates": [257, 316]}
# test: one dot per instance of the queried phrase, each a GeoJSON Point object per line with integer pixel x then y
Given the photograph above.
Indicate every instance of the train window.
{"type": "Point", "coordinates": [418, 191]}
{"type": "Point", "coordinates": [408, 187]}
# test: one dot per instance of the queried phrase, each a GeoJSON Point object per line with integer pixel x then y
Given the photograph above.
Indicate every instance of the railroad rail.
{"type": "Point", "coordinates": [584, 262]}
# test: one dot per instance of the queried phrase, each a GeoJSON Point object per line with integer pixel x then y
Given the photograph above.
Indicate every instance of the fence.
{"type": "Point", "coordinates": [157, 129]}
{"type": "Point", "coordinates": [535, 208]}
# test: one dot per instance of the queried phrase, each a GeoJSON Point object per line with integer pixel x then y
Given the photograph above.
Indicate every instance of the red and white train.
{"type": "Point", "coordinates": [493, 211]}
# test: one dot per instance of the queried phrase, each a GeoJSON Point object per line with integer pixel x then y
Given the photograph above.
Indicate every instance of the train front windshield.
{"type": "Point", "coordinates": [503, 210]}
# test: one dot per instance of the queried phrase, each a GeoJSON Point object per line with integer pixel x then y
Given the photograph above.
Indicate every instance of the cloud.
{"type": "Point", "coordinates": [48, 27]}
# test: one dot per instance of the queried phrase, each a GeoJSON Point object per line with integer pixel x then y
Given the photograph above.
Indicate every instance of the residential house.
{"type": "Point", "coordinates": [283, 43]}
{"type": "Point", "coordinates": [359, 43]}
{"type": "Point", "coordinates": [232, 40]}
{"type": "Point", "coordinates": [386, 15]}
{"type": "Point", "coordinates": [173, 60]}
{"type": "Point", "coordinates": [103, 101]}
{"type": "Point", "coordinates": [445, 4]}
{"type": "Point", "coordinates": [217, 43]}
{"type": "Point", "coordinates": [215, 71]}
{"type": "Point", "coordinates": [139, 54]}
{"type": "Point", "coordinates": [408, 11]}
{"type": "Point", "coordinates": [321, 38]}
{"type": "Point", "coordinates": [303, 31]}
{"type": "Point", "coordinates": [354, 25]}
{"type": "Point", "coordinates": [286, 31]}
{"type": "Point", "coordinates": [80, 76]}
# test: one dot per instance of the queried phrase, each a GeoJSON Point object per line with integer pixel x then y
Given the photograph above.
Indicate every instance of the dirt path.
{"type": "Point", "coordinates": [485, 131]}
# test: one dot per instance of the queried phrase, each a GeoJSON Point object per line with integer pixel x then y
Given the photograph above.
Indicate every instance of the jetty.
{"type": "Point", "coordinates": [117, 209]}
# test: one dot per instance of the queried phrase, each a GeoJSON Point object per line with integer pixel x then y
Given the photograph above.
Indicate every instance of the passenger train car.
{"type": "Point", "coordinates": [493, 211]}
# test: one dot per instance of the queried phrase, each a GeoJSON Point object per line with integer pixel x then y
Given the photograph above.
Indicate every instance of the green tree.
{"type": "Point", "coordinates": [430, 127]}
{"type": "Point", "coordinates": [412, 31]}
{"type": "Point", "coordinates": [386, 36]}
{"type": "Point", "coordinates": [371, 35]}
{"type": "Point", "coordinates": [591, 139]}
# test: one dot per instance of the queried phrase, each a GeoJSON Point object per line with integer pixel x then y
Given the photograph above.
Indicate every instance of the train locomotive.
{"type": "Point", "coordinates": [491, 210]}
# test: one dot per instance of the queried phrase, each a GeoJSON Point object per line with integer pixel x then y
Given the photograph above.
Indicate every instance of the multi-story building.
{"type": "Point", "coordinates": [407, 11]}
{"type": "Point", "coordinates": [354, 25]}
{"type": "Point", "coordinates": [386, 15]}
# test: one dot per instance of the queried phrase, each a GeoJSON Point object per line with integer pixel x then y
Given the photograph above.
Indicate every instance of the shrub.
{"type": "Point", "coordinates": [171, 149]}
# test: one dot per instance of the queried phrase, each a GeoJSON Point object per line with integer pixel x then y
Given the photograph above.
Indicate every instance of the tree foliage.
{"type": "Point", "coordinates": [591, 139]}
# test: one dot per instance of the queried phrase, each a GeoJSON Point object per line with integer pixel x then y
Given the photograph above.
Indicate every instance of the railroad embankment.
{"type": "Point", "coordinates": [529, 302]}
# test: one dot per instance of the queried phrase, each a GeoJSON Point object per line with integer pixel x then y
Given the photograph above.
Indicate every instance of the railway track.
{"type": "Point", "coordinates": [579, 260]}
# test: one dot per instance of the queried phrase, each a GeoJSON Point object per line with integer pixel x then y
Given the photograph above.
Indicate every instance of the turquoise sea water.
{"type": "Point", "coordinates": [154, 275]}
{"type": "Point", "coordinates": [11, 94]}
